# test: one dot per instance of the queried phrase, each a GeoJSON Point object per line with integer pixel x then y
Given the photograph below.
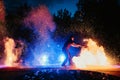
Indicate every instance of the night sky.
{"type": "Point", "coordinates": [53, 5]}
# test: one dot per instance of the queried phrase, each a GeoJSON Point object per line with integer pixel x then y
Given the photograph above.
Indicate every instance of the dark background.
{"type": "Point", "coordinates": [97, 19]}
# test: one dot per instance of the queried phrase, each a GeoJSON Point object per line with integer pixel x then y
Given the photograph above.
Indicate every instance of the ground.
{"type": "Point", "coordinates": [13, 73]}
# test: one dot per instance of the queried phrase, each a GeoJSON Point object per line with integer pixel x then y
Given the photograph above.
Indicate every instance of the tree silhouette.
{"type": "Point", "coordinates": [63, 20]}
{"type": "Point", "coordinates": [15, 20]}
{"type": "Point", "coordinates": [80, 13]}
{"type": "Point", "coordinates": [102, 16]}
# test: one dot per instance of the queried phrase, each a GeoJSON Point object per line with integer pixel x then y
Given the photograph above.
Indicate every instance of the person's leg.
{"type": "Point", "coordinates": [66, 59]}
{"type": "Point", "coordinates": [70, 59]}
{"type": "Point", "coordinates": [71, 62]}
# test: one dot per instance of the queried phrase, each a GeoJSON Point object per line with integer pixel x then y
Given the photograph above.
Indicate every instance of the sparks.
{"type": "Point", "coordinates": [92, 55]}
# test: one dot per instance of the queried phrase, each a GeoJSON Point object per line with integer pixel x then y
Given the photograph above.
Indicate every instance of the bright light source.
{"type": "Point", "coordinates": [62, 57]}
{"type": "Point", "coordinates": [43, 59]}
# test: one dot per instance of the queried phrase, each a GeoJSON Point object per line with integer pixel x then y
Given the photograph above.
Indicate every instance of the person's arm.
{"type": "Point", "coordinates": [76, 45]}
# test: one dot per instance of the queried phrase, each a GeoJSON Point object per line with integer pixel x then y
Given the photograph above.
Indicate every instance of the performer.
{"type": "Point", "coordinates": [70, 42]}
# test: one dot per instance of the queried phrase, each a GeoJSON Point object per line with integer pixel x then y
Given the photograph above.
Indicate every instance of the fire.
{"type": "Point", "coordinates": [92, 55]}
{"type": "Point", "coordinates": [12, 54]}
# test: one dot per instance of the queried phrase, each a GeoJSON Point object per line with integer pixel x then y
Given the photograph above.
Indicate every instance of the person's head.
{"type": "Point", "coordinates": [72, 38]}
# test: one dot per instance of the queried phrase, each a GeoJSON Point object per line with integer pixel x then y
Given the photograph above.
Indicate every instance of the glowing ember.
{"type": "Point", "coordinates": [92, 55]}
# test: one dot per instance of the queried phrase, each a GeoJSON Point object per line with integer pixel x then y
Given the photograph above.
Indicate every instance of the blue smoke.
{"type": "Point", "coordinates": [37, 52]}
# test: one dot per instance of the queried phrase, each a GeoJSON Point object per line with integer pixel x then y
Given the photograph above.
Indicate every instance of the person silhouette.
{"type": "Point", "coordinates": [70, 42]}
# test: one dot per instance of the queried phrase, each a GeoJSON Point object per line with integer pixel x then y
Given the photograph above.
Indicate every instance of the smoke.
{"type": "Point", "coordinates": [2, 28]}
{"type": "Point", "coordinates": [2, 19]}
{"type": "Point", "coordinates": [2, 12]}
{"type": "Point", "coordinates": [42, 21]}
{"type": "Point", "coordinates": [32, 45]}
{"type": "Point", "coordinates": [33, 38]}
{"type": "Point", "coordinates": [45, 50]}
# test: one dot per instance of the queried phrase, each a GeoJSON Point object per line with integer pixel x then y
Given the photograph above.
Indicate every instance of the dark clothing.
{"type": "Point", "coordinates": [67, 53]}
{"type": "Point", "coordinates": [67, 45]}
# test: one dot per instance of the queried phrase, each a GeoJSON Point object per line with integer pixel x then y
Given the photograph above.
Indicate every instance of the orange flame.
{"type": "Point", "coordinates": [92, 55]}
{"type": "Point", "coordinates": [11, 53]}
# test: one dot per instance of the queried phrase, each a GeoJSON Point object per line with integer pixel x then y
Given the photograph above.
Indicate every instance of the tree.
{"type": "Point", "coordinates": [80, 13]}
{"type": "Point", "coordinates": [15, 20]}
{"type": "Point", "coordinates": [63, 20]}
{"type": "Point", "coordinates": [103, 16]}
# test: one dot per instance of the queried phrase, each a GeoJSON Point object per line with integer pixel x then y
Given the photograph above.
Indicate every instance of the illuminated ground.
{"type": "Point", "coordinates": [44, 73]}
